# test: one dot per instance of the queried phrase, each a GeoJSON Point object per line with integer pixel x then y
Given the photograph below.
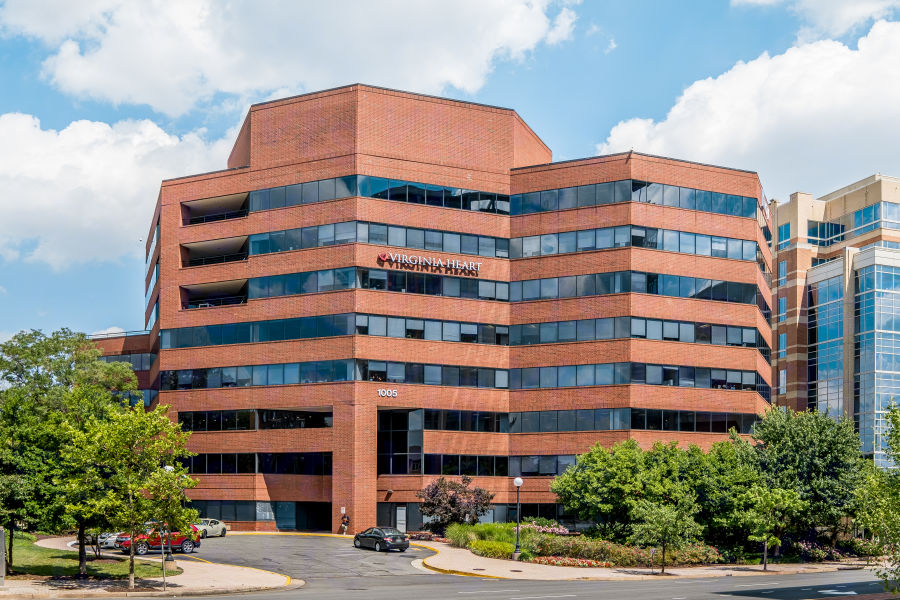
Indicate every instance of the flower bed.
{"type": "Point", "coordinates": [565, 561]}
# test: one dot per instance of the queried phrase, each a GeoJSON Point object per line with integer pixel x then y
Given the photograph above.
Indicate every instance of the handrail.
{"type": "Point", "coordinates": [215, 260]}
{"type": "Point", "coordinates": [210, 302]}
{"type": "Point", "coordinates": [235, 214]}
{"type": "Point", "coordinates": [100, 336]}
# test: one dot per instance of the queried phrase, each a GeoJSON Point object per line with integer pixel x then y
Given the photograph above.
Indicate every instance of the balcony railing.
{"type": "Point", "coordinates": [214, 260]}
{"type": "Point", "coordinates": [235, 214]}
{"type": "Point", "coordinates": [210, 302]}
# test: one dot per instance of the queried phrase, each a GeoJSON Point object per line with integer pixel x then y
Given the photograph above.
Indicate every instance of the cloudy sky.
{"type": "Point", "coordinates": [100, 99]}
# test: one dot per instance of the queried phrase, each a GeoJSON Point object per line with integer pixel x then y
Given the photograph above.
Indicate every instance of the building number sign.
{"type": "Point", "coordinates": [387, 393]}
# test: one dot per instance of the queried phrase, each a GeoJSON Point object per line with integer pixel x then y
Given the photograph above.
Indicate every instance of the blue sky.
{"type": "Point", "coordinates": [103, 98]}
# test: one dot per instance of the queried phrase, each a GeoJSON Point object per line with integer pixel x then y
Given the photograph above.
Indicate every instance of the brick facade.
{"type": "Point", "coordinates": [370, 131]}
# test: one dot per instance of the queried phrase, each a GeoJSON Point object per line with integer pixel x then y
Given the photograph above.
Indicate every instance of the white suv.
{"type": "Point", "coordinates": [211, 527]}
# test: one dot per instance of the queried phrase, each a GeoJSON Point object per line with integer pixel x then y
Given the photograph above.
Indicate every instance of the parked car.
{"type": "Point", "coordinates": [381, 538]}
{"type": "Point", "coordinates": [211, 527]}
{"type": "Point", "coordinates": [108, 540]}
{"type": "Point", "coordinates": [151, 540]}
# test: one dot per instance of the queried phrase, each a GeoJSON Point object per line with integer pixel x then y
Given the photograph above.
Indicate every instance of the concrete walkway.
{"type": "Point", "coordinates": [199, 577]}
{"type": "Point", "coordinates": [458, 561]}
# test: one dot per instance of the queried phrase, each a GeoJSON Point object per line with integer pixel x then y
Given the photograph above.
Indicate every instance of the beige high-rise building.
{"type": "Point", "coordinates": [836, 313]}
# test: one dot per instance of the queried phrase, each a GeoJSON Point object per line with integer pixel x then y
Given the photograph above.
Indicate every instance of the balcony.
{"type": "Point", "coordinates": [210, 210]}
{"type": "Point", "coordinates": [209, 295]}
{"type": "Point", "coordinates": [213, 252]}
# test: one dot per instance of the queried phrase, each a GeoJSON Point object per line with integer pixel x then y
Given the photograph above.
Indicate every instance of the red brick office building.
{"type": "Point", "coordinates": [383, 287]}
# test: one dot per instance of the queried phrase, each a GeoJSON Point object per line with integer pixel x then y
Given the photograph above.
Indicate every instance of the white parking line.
{"type": "Point", "coordinates": [489, 592]}
{"type": "Point", "coordinates": [536, 597]}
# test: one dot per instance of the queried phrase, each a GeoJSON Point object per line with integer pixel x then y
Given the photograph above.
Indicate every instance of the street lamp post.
{"type": "Point", "coordinates": [518, 483]}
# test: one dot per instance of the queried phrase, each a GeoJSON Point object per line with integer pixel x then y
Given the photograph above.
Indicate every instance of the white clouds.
{"type": "Point", "coordinates": [611, 46]}
{"type": "Point", "coordinates": [831, 17]}
{"type": "Point", "coordinates": [87, 192]}
{"type": "Point", "coordinates": [176, 55]}
{"type": "Point", "coordinates": [815, 118]}
{"type": "Point", "coordinates": [563, 25]}
{"type": "Point", "coordinates": [109, 331]}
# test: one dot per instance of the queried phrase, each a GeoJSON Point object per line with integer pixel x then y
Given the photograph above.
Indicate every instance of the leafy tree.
{"type": "Point", "coordinates": [767, 512]}
{"type": "Point", "coordinates": [665, 525]}
{"type": "Point", "coordinates": [604, 484]}
{"type": "Point", "coordinates": [815, 456]}
{"type": "Point", "coordinates": [445, 502]}
{"type": "Point", "coordinates": [45, 383]}
{"type": "Point", "coordinates": [878, 508]}
{"type": "Point", "coordinates": [130, 448]}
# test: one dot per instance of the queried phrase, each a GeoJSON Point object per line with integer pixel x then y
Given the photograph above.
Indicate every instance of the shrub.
{"type": "Point", "coordinates": [617, 554]}
{"type": "Point", "coordinates": [490, 549]}
{"type": "Point", "coordinates": [564, 561]}
{"type": "Point", "coordinates": [459, 535]}
{"type": "Point", "coordinates": [861, 547]}
{"type": "Point", "coordinates": [813, 552]}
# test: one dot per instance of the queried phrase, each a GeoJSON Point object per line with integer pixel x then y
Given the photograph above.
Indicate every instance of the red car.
{"type": "Point", "coordinates": [150, 540]}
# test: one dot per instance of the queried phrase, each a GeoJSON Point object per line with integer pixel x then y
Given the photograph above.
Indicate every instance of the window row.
{"type": "Point", "coordinates": [623, 282]}
{"type": "Point", "coordinates": [456, 331]}
{"type": "Point", "coordinates": [334, 325]}
{"type": "Point", "coordinates": [634, 236]}
{"type": "Point", "coordinates": [518, 204]}
{"type": "Point", "coordinates": [378, 187]}
{"type": "Point", "coordinates": [251, 420]}
{"type": "Point", "coordinates": [274, 463]}
{"type": "Point", "coordinates": [633, 373]}
{"type": "Point", "coordinates": [333, 370]}
{"type": "Point", "coordinates": [378, 233]}
{"type": "Point", "coordinates": [139, 362]}
{"type": "Point", "coordinates": [377, 279]}
{"type": "Point", "coordinates": [633, 191]}
{"type": "Point", "coordinates": [604, 419]}
{"type": "Point", "coordinates": [636, 327]}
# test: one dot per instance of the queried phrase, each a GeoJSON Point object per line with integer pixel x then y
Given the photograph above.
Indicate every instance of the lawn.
{"type": "Point", "coordinates": [29, 559]}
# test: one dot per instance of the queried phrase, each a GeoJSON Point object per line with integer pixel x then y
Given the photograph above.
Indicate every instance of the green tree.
{"type": "Point", "coordinates": [130, 448]}
{"type": "Point", "coordinates": [445, 502]}
{"type": "Point", "coordinates": [815, 456]}
{"type": "Point", "coordinates": [767, 512]}
{"type": "Point", "coordinates": [878, 504]}
{"type": "Point", "coordinates": [665, 525]}
{"type": "Point", "coordinates": [604, 485]}
{"type": "Point", "coordinates": [44, 383]}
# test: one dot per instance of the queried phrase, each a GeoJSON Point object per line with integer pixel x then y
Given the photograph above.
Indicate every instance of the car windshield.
{"type": "Point", "coordinates": [204, 522]}
{"type": "Point", "coordinates": [391, 531]}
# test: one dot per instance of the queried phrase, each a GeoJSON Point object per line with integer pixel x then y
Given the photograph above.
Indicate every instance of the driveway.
{"type": "Point", "coordinates": [309, 557]}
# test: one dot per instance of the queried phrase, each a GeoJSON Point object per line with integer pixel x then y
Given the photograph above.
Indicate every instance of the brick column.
{"type": "Point", "coordinates": [354, 457]}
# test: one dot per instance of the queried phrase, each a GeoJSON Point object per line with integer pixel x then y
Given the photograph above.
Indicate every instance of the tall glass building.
{"type": "Point", "coordinates": [837, 258]}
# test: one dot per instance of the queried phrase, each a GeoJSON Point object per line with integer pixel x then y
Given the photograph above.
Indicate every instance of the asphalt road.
{"type": "Point", "coordinates": [334, 569]}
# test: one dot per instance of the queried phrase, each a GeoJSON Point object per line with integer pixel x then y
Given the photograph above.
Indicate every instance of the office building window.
{"type": "Point", "coordinates": [782, 345]}
{"type": "Point", "coordinates": [782, 381]}
{"type": "Point", "coordinates": [782, 272]}
{"type": "Point", "coordinates": [784, 236]}
{"type": "Point", "coordinates": [782, 309]}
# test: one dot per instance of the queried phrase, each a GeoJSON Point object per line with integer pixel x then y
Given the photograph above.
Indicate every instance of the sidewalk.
{"type": "Point", "coordinates": [458, 561]}
{"type": "Point", "coordinates": [199, 577]}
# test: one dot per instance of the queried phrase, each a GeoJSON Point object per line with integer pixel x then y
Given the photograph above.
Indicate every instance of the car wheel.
{"type": "Point", "coordinates": [141, 548]}
{"type": "Point", "coordinates": [224, 531]}
{"type": "Point", "coordinates": [187, 546]}
{"type": "Point", "coordinates": [203, 534]}
{"type": "Point", "coordinates": [377, 546]}
{"type": "Point", "coordinates": [356, 543]}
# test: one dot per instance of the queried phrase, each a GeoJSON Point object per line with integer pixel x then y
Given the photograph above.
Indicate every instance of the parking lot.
{"type": "Point", "coordinates": [308, 557]}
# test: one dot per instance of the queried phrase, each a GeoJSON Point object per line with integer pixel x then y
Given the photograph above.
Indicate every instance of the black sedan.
{"type": "Point", "coordinates": [381, 538]}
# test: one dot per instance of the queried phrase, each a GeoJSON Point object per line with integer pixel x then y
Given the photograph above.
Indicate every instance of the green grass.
{"type": "Point", "coordinates": [29, 559]}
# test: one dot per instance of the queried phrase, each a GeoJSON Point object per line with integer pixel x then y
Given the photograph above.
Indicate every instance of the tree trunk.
{"type": "Point", "coordinates": [765, 555]}
{"type": "Point", "coordinates": [662, 571]}
{"type": "Point", "coordinates": [131, 561]}
{"type": "Point", "coordinates": [82, 551]}
{"type": "Point", "coordinates": [10, 531]}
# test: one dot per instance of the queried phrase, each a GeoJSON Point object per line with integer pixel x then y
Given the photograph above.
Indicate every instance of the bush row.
{"type": "Point", "coordinates": [497, 541]}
